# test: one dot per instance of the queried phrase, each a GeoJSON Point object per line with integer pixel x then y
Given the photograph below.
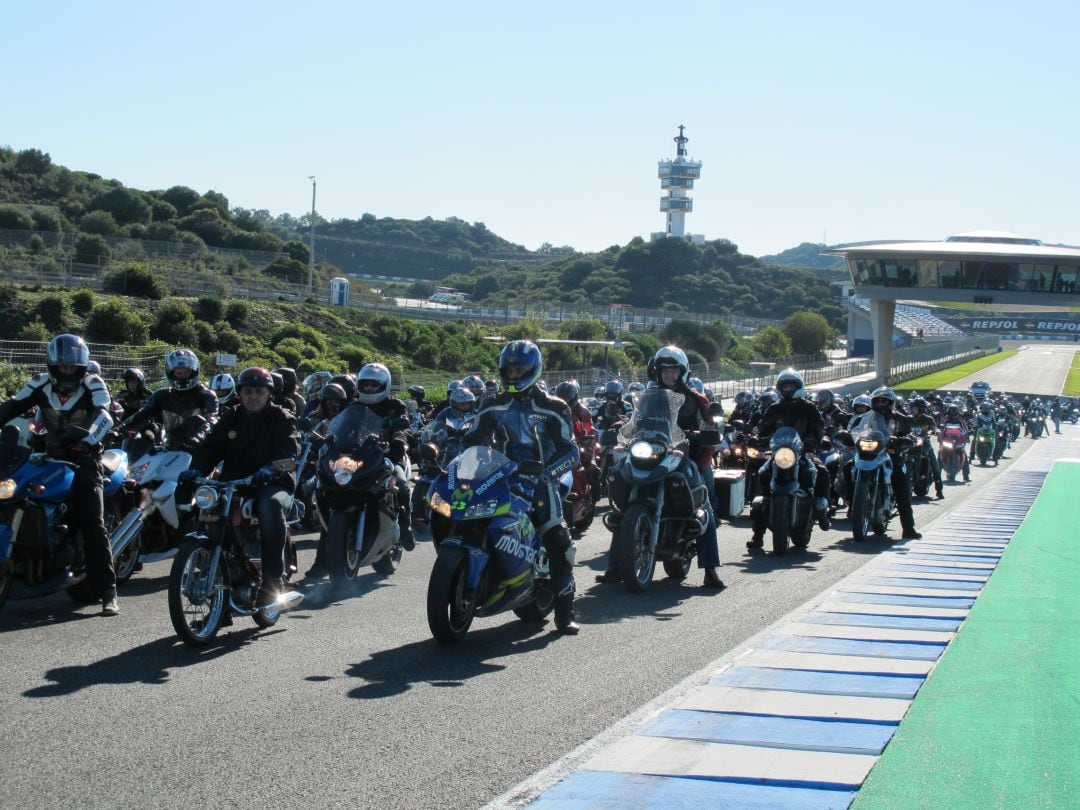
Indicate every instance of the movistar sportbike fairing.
{"type": "Point", "coordinates": [490, 558]}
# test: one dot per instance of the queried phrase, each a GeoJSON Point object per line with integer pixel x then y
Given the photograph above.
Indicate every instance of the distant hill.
{"type": "Point", "coordinates": [807, 255]}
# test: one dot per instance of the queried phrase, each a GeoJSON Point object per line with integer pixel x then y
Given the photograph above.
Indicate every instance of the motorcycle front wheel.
{"type": "Point", "coordinates": [197, 605]}
{"type": "Point", "coordinates": [538, 610]}
{"type": "Point", "coordinates": [636, 559]}
{"type": "Point", "coordinates": [780, 523]}
{"type": "Point", "coordinates": [342, 556]}
{"type": "Point", "coordinates": [449, 610]}
{"type": "Point", "coordinates": [861, 508]}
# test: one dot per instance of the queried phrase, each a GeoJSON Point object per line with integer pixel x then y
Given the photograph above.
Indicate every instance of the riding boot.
{"type": "Point", "coordinates": [564, 615]}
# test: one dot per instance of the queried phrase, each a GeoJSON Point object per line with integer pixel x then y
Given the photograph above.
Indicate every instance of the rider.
{"type": "Point", "coordinates": [418, 393]}
{"type": "Point", "coordinates": [186, 409]}
{"type": "Point", "coordinates": [515, 421]}
{"type": "Point", "coordinates": [135, 392]}
{"type": "Point", "coordinates": [224, 387]}
{"type": "Point", "coordinates": [791, 410]}
{"type": "Point", "coordinates": [614, 410]}
{"type": "Point", "coordinates": [373, 393]}
{"type": "Point", "coordinates": [672, 371]}
{"type": "Point", "coordinates": [67, 396]}
{"type": "Point", "coordinates": [247, 440]}
{"type": "Point", "coordinates": [834, 417]}
{"type": "Point", "coordinates": [289, 392]}
{"type": "Point", "coordinates": [953, 414]}
{"type": "Point", "coordinates": [894, 425]}
{"type": "Point", "coordinates": [584, 432]}
{"type": "Point", "coordinates": [983, 421]}
{"type": "Point", "coordinates": [921, 418]}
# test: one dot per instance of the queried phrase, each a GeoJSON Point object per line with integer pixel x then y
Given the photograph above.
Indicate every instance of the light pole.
{"type": "Point", "coordinates": [311, 255]}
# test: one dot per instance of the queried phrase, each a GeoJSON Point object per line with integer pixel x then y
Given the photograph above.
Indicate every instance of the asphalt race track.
{"type": "Point", "coordinates": [349, 703]}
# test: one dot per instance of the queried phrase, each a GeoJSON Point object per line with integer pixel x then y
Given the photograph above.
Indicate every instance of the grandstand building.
{"type": "Point", "coordinates": [991, 268]}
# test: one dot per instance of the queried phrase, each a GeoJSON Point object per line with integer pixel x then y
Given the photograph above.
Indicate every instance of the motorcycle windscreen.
{"type": "Point", "coordinates": [656, 414]}
{"type": "Point", "coordinates": [353, 426]}
{"type": "Point", "coordinates": [477, 464]}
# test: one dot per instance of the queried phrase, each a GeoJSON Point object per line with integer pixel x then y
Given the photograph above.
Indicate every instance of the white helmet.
{"type": "Point", "coordinates": [668, 356]}
{"type": "Point", "coordinates": [224, 386]}
{"type": "Point", "coordinates": [789, 383]}
{"type": "Point", "coordinates": [373, 383]}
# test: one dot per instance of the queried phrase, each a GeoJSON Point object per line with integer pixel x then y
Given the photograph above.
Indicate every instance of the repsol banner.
{"type": "Point", "coordinates": [1058, 326]}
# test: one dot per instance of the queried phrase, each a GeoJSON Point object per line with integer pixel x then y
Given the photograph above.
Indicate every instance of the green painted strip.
{"type": "Point", "coordinates": [996, 724]}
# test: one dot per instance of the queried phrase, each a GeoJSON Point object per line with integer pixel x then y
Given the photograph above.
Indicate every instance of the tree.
{"type": "Point", "coordinates": [181, 198]}
{"type": "Point", "coordinates": [90, 248]}
{"type": "Point", "coordinates": [16, 218]}
{"type": "Point", "coordinates": [209, 224]}
{"type": "Point", "coordinates": [297, 251]}
{"type": "Point", "coordinates": [175, 324]}
{"type": "Point", "coordinates": [32, 161]}
{"type": "Point", "coordinates": [772, 343]}
{"type": "Point", "coordinates": [114, 322]}
{"type": "Point", "coordinates": [126, 205]}
{"type": "Point", "coordinates": [99, 222]}
{"type": "Point", "coordinates": [808, 332]}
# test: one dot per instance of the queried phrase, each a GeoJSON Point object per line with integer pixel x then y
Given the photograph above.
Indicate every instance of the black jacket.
{"type": "Point", "coordinates": [174, 409]}
{"type": "Point", "coordinates": [796, 413]}
{"type": "Point", "coordinates": [245, 442]}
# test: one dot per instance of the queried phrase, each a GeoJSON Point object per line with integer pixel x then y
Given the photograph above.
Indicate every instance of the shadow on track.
{"type": "Point", "coordinates": [394, 671]}
{"type": "Point", "coordinates": [148, 663]}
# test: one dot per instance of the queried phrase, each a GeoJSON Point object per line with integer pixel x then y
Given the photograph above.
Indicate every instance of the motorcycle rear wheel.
{"type": "Point", "coordinates": [189, 570]}
{"type": "Point", "coordinates": [780, 523]}
{"type": "Point", "coordinates": [860, 510]}
{"type": "Point", "coordinates": [449, 611]}
{"type": "Point", "coordinates": [538, 610]}
{"type": "Point", "coordinates": [636, 560]}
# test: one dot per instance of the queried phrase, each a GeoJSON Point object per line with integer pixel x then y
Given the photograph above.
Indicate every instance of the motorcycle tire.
{"type": "Point", "coordinates": [449, 612]}
{"type": "Point", "coordinates": [538, 610]}
{"type": "Point", "coordinates": [83, 592]}
{"type": "Point", "coordinates": [388, 563]}
{"type": "Point", "coordinates": [780, 523]}
{"type": "Point", "coordinates": [636, 561]}
{"type": "Point", "coordinates": [342, 557]}
{"type": "Point", "coordinates": [678, 569]}
{"type": "Point", "coordinates": [860, 510]}
{"type": "Point", "coordinates": [7, 579]}
{"type": "Point", "coordinates": [192, 559]}
{"type": "Point", "coordinates": [266, 618]}
{"type": "Point", "coordinates": [582, 524]}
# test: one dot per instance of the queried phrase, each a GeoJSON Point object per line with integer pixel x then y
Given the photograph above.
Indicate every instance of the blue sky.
{"type": "Point", "coordinates": [847, 121]}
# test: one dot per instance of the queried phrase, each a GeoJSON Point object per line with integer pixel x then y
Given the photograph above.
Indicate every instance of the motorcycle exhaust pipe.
{"type": "Point", "coordinates": [127, 531]}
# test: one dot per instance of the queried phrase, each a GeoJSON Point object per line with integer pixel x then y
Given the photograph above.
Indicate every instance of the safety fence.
{"type": "Point", "coordinates": [29, 357]}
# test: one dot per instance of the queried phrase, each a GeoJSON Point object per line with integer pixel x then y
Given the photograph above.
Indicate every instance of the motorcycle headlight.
{"type": "Point", "coordinates": [439, 506]}
{"type": "Point", "coordinates": [753, 452]}
{"type": "Point", "coordinates": [869, 445]}
{"type": "Point", "coordinates": [206, 497]}
{"type": "Point", "coordinates": [784, 458]}
{"type": "Point", "coordinates": [7, 488]}
{"type": "Point", "coordinates": [343, 468]}
{"type": "Point", "coordinates": [643, 451]}
{"type": "Point", "coordinates": [947, 445]}
{"type": "Point", "coordinates": [482, 510]}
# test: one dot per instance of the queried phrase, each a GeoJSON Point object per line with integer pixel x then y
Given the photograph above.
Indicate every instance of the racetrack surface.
{"type": "Point", "coordinates": [349, 703]}
{"type": "Point", "coordinates": [1039, 369]}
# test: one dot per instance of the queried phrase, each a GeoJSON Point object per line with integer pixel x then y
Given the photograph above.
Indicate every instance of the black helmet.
{"type": "Point", "coordinates": [491, 387]}
{"type": "Point", "coordinates": [254, 377]}
{"type": "Point", "coordinates": [347, 385]}
{"type": "Point", "coordinates": [288, 378]}
{"type": "Point", "coordinates": [417, 391]}
{"type": "Point", "coordinates": [520, 366]}
{"type": "Point", "coordinates": [279, 384]}
{"type": "Point", "coordinates": [569, 391]}
{"type": "Point", "coordinates": [918, 406]}
{"type": "Point", "coordinates": [613, 390]}
{"type": "Point", "coordinates": [182, 358]}
{"type": "Point", "coordinates": [883, 399]}
{"type": "Point", "coordinates": [823, 399]}
{"type": "Point", "coordinates": [66, 350]}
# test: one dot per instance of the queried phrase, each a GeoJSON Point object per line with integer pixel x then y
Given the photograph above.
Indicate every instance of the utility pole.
{"type": "Point", "coordinates": [311, 255]}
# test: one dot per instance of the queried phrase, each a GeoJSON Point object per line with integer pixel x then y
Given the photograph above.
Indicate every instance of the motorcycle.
{"type": "Point", "coordinates": [1036, 422]}
{"type": "Point", "coordinates": [41, 542]}
{"type": "Point", "coordinates": [657, 512]}
{"type": "Point", "coordinates": [1001, 440]}
{"type": "Point", "coordinates": [952, 451]}
{"type": "Point", "coordinates": [217, 571]}
{"type": "Point", "coordinates": [985, 438]}
{"type": "Point", "coordinates": [840, 463]}
{"type": "Point", "coordinates": [357, 496]}
{"type": "Point", "coordinates": [922, 473]}
{"type": "Point", "coordinates": [490, 556]}
{"type": "Point", "coordinates": [872, 503]}
{"type": "Point", "coordinates": [579, 504]}
{"type": "Point", "coordinates": [790, 515]}
{"type": "Point", "coordinates": [153, 524]}
{"type": "Point", "coordinates": [443, 438]}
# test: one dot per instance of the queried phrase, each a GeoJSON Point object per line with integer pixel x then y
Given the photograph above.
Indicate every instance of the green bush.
{"type": "Point", "coordinates": [11, 380]}
{"type": "Point", "coordinates": [174, 323]}
{"type": "Point", "coordinates": [51, 310]}
{"type": "Point", "coordinates": [114, 322]}
{"type": "Point", "coordinates": [228, 339]}
{"type": "Point", "coordinates": [35, 330]}
{"type": "Point", "coordinates": [205, 336]}
{"type": "Point", "coordinates": [302, 331]}
{"type": "Point", "coordinates": [210, 308]}
{"type": "Point", "coordinates": [82, 301]}
{"type": "Point", "coordinates": [237, 313]}
{"type": "Point", "coordinates": [91, 248]}
{"type": "Point", "coordinates": [137, 281]}
{"type": "Point", "coordinates": [36, 244]}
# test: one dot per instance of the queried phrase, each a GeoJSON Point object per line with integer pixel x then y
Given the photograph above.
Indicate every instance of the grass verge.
{"type": "Point", "coordinates": [1072, 382]}
{"type": "Point", "coordinates": [946, 377]}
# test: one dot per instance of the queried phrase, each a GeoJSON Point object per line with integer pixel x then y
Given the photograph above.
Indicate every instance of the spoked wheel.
{"type": "Point", "coordinates": [636, 559]}
{"type": "Point", "coordinates": [196, 604]}
{"type": "Point", "coordinates": [449, 609]}
{"type": "Point", "coordinates": [861, 508]}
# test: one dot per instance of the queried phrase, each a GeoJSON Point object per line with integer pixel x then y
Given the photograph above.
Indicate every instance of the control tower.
{"type": "Point", "coordinates": [677, 179]}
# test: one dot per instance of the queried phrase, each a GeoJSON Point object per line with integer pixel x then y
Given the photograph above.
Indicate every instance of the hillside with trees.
{"type": "Point", "coordinates": [809, 255]}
